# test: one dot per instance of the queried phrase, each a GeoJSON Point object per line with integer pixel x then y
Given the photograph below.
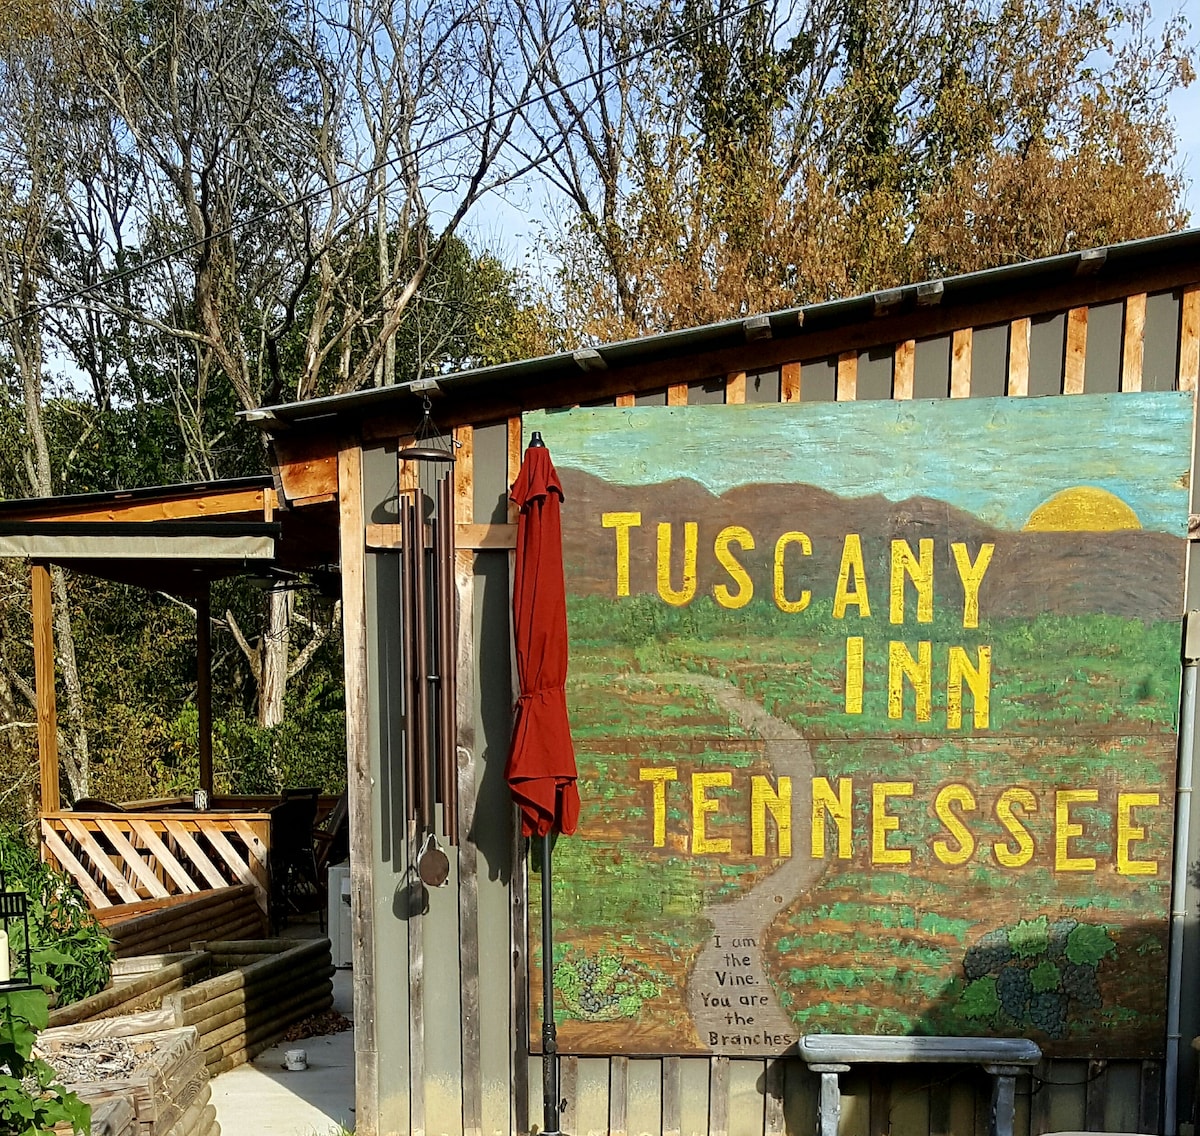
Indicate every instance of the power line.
{"type": "Point", "coordinates": [65, 298]}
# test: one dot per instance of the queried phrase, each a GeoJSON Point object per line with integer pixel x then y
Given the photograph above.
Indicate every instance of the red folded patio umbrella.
{"type": "Point", "coordinates": [541, 760]}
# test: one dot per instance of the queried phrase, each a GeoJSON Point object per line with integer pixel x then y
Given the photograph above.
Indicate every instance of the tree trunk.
{"type": "Point", "coordinates": [274, 656]}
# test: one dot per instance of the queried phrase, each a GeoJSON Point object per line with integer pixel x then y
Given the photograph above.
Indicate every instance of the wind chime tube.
{"type": "Point", "coordinates": [421, 671]}
{"type": "Point", "coordinates": [447, 660]}
{"type": "Point", "coordinates": [412, 788]}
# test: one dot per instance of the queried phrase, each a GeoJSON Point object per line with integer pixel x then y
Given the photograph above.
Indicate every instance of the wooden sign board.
{"type": "Point", "coordinates": [875, 707]}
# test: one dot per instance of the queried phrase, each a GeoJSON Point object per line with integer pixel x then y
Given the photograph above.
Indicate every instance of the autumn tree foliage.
{"type": "Point", "coordinates": [787, 153]}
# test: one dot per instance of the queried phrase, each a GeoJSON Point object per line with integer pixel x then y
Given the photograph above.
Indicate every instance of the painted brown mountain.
{"type": "Point", "coordinates": [1133, 573]}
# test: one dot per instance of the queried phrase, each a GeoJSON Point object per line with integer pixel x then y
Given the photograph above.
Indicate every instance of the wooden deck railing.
{"type": "Point", "coordinates": [125, 857]}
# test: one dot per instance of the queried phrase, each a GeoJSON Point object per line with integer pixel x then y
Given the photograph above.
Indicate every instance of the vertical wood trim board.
{"type": "Point", "coordinates": [514, 462]}
{"type": "Point", "coordinates": [773, 1116]}
{"type": "Point", "coordinates": [1189, 340]}
{"type": "Point", "coordinates": [718, 1096]}
{"type": "Point", "coordinates": [464, 476]}
{"type": "Point", "coordinates": [416, 994]}
{"type": "Point", "coordinates": [626, 400]}
{"type": "Point", "coordinates": [408, 475]}
{"type": "Point", "coordinates": [1076, 351]}
{"type": "Point", "coordinates": [518, 937]}
{"type": "Point", "coordinates": [568, 1086]}
{"type": "Point", "coordinates": [1095, 1092]}
{"type": "Point", "coordinates": [1133, 342]}
{"type": "Point", "coordinates": [847, 376]}
{"type": "Point", "coordinates": [43, 678]}
{"type": "Point", "coordinates": [904, 367]}
{"type": "Point", "coordinates": [351, 537]}
{"type": "Point", "coordinates": [789, 382]}
{"type": "Point", "coordinates": [1150, 1103]}
{"type": "Point", "coordinates": [677, 394]}
{"type": "Point", "coordinates": [960, 363]}
{"type": "Point", "coordinates": [468, 859]}
{"type": "Point", "coordinates": [1018, 357]}
{"type": "Point", "coordinates": [618, 1096]}
{"type": "Point", "coordinates": [735, 388]}
{"type": "Point", "coordinates": [672, 1078]}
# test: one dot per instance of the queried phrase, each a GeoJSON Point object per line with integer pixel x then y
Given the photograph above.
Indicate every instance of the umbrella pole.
{"type": "Point", "coordinates": [550, 1084]}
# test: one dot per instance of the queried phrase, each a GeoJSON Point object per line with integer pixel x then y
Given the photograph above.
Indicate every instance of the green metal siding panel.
{"type": "Point", "coordinates": [1047, 344]}
{"type": "Point", "coordinates": [931, 368]}
{"type": "Point", "coordinates": [1160, 364]}
{"type": "Point", "coordinates": [874, 374]}
{"type": "Point", "coordinates": [989, 361]}
{"type": "Point", "coordinates": [1102, 368]}
{"type": "Point", "coordinates": [818, 380]}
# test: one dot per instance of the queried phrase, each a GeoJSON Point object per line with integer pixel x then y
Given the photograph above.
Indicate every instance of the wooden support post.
{"type": "Point", "coordinates": [43, 673]}
{"type": "Point", "coordinates": [204, 686]}
{"type": "Point", "coordinates": [789, 382]}
{"type": "Point", "coordinates": [1133, 342]}
{"type": "Point", "coordinates": [904, 364]}
{"type": "Point", "coordinates": [1189, 340]}
{"type": "Point", "coordinates": [1076, 351]}
{"type": "Point", "coordinates": [962, 343]}
{"type": "Point", "coordinates": [359, 790]}
{"type": "Point", "coordinates": [847, 376]}
{"type": "Point", "coordinates": [1018, 357]}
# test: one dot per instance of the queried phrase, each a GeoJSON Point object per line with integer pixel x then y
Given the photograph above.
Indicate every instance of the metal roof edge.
{"type": "Point", "coordinates": [828, 314]}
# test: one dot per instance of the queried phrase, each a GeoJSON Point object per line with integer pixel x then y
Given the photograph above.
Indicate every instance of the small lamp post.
{"type": "Point", "coordinates": [14, 908]}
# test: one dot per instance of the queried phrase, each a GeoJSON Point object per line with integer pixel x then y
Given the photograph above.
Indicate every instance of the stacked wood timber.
{"type": "Point", "coordinates": [167, 1091]}
{"type": "Point", "coordinates": [112, 1118]}
{"type": "Point", "coordinates": [268, 986]}
{"type": "Point", "coordinates": [137, 984]}
{"type": "Point", "coordinates": [157, 926]}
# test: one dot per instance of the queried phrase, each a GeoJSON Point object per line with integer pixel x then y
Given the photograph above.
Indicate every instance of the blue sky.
{"type": "Point", "coordinates": [996, 458]}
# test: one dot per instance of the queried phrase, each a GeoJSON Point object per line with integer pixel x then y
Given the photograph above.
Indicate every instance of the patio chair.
{"type": "Point", "coordinates": [332, 838]}
{"type": "Point", "coordinates": [295, 880]}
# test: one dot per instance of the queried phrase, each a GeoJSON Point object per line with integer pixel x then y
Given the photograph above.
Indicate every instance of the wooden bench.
{"type": "Point", "coordinates": [1005, 1058]}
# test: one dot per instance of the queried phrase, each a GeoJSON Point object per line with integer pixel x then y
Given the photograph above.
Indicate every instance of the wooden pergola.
{"type": "Point", "coordinates": [175, 539]}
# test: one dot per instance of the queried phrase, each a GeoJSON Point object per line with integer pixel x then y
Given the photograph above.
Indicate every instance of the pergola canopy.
{"type": "Point", "coordinates": [174, 538]}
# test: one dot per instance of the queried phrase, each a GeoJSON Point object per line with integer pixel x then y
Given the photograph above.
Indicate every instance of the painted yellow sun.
{"type": "Point", "coordinates": [1082, 508]}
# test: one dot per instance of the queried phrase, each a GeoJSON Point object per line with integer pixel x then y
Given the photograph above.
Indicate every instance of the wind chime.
{"type": "Point", "coordinates": [428, 650]}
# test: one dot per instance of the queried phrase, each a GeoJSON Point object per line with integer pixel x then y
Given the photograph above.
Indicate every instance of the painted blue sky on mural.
{"type": "Point", "coordinates": [998, 458]}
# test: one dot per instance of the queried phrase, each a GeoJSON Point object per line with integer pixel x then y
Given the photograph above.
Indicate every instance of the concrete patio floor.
{"type": "Point", "coordinates": [264, 1099]}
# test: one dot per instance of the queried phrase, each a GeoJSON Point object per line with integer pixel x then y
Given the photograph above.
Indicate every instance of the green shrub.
{"type": "Point", "coordinates": [67, 943]}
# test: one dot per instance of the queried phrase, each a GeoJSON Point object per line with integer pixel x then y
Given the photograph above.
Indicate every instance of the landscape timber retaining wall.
{"type": "Point", "coordinates": [240, 996]}
{"type": "Point", "coordinates": [157, 926]}
{"type": "Point", "coordinates": [267, 986]}
{"type": "Point", "coordinates": [137, 984]}
{"type": "Point", "coordinates": [168, 1091]}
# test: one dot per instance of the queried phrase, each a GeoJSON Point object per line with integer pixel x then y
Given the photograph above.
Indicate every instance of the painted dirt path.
{"type": "Point", "coordinates": [746, 918]}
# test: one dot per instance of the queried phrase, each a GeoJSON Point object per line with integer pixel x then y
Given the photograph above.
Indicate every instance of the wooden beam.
{"type": "Point", "coordinates": [1189, 340]}
{"type": "Point", "coordinates": [305, 467]}
{"type": "Point", "coordinates": [789, 382]}
{"type": "Point", "coordinates": [677, 394]}
{"type": "Point", "coordinates": [960, 363]}
{"type": "Point", "coordinates": [1133, 342]}
{"type": "Point", "coordinates": [1076, 354]}
{"type": "Point", "coordinates": [43, 677]}
{"type": "Point", "coordinates": [204, 687]}
{"type": "Point", "coordinates": [464, 475]}
{"type": "Point", "coordinates": [735, 387]}
{"type": "Point", "coordinates": [477, 538]}
{"type": "Point", "coordinates": [847, 376]}
{"type": "Point", "coordinates": [627, 399]}
{"type": "Point", "coordinates": [172, 507]}
{"type": "Point", "coordinates": [1018, 357]}
{"type": "Point", "coordinates": [904, 365]}
{"type": "Point", "coordinates": [358, 781]}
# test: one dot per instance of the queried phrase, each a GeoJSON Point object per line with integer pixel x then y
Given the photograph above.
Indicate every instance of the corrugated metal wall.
{"type": "Point", "coordinates": [450, 991]}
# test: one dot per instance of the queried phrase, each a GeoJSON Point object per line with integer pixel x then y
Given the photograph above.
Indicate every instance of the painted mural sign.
{"type": "Point", "coordinates": [875, 707]}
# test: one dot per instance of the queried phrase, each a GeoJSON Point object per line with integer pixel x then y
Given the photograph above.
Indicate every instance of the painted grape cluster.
{"type": "Point", "coordinates": [601, 987]}
{"type": "Point", "coordinates": [1035, 974]}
